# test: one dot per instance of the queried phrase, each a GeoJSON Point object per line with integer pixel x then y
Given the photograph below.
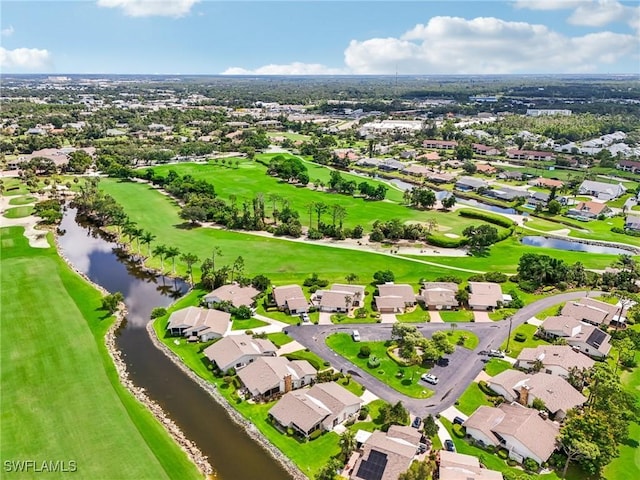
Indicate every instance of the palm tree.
{"type": "Point", "coordinates": [338, 212]}
{"type": "Point", "coordinates": [310, 208]}
{"type": "Point", "coordinates": [320, 208]}
{"type": "Point", "coordinates": [351, 277]}
{"type": "Point", "coordinates": [137, 233]}
{"type": "Point", "coordinates": [160, 251]}
{"type": "Point", "coordinates": [189, 259]}
{"type": "Point", "coordinates": [147, 238]}
{"type": "Point", "coordinates": [215, 251]}
{"type": "Point", "coordinates": [172, 253]}
{"type": "Point", "coordinates": [432, 224]}
{"type": "Point", "coordinates": [347, 443]}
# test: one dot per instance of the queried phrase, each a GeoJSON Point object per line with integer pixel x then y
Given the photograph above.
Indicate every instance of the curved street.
{"type": "Point", "coordinates": [464, 365]}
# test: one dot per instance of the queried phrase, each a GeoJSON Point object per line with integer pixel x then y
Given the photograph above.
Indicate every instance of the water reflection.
{"type": "Point", "coordinates": [560, 244]}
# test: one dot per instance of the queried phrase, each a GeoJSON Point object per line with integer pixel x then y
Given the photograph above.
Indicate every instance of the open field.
{"type": "Point", "coordinates": [61, 396]}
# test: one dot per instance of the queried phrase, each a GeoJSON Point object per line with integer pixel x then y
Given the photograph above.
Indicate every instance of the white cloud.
{"type": "Point", "coordinates": [25, 59]}
{"type": "Point", "coordinates": [7, 32]}
{"type": "Point", "coordinates": [295, 68]}
{"type": "Point", "coordinates": [149, 8]}
{"type": "Point", "coordinates": [604, 12]}
{"type": "Point", "coordinates": [486, 46]}
{"type": "Point", "coordinates": [549, 4]}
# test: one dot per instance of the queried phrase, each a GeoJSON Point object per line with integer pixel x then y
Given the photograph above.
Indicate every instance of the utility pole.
{"type": "Point", "coordinates": [509, 337]}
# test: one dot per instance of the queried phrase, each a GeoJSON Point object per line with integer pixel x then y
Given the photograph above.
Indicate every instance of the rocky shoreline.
{"type": "Point", "coordinates": [192, 451]}
{"type": "Point", "coordinates": [213, 392]}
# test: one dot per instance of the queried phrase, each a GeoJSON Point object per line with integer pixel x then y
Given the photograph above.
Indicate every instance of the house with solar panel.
{"type": "Point", "coordinates": [581, 336]}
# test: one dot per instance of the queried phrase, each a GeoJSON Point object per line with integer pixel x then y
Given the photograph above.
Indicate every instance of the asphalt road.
{"type": "Point", "coordinates": [464, 365]}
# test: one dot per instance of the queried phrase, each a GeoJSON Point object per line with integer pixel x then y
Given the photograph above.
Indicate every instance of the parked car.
{"type": "Point", "coordinates": [458, 420]}
{"type": "Point", "coordinates": [416, 422]}
{"type": "Point", "coordinates": [356, 336]}
{"type": "Point", "coordinates": [449, 446]}
{"type": "Point", "coordinates": [422, 447]}
{"type": "Point", "coordinates": [305, 317]}
{"type": "Point", "coordinates": [429, 378]}
{"type": "Point", "coordinates": [496, 353]}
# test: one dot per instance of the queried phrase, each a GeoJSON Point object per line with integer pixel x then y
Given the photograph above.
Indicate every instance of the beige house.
{"type": "Point", "coordinates": [587, 338]}
{"type": "Point", "coordinates": [387, 455]}
{"type": "Point", "coordinates": [199, 323]}
{"type": "Point", "coordinates": [486, 296]}
{"type": "Point", "coordinates": [320, 407]}
{"type": "Point", "coordinates": [439, 295]}
{"type": "Point", "coordinates": [290, 298]}
{"type": "Point", "coordinates": [556, 359]}
{"type": "Point", "coordinates": [269, 376]}
{"type": "Point", "coordinates": [592, 311]}
{"type": "Point", "coordinates": [341, 298]}
{"type": "Point", "coordinates": [237, 351]}
{"type": "Point", "coordinates": [233, 293]}
{"type": "Point", "coordinates": [519, 429]}
{"type": "Point", "coordinates": [458, 466]}
{"type": "Point", "coordinates": [394, 298]}
{"type": "Point", "coordinates": [557, 394]}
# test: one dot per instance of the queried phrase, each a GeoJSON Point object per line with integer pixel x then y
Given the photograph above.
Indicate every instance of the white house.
{"type": "Point", "coordinates": [556, 359]}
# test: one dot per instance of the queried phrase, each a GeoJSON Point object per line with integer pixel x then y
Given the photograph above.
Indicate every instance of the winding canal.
{"type": "Point", "coordinates": [232, 453]}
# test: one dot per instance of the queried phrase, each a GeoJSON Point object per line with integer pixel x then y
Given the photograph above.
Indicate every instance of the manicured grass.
{"type": "Point", "coordinates": [312, 358]}
{"type": "Point", "coordinates": [61, 396]}
{"type": "Point", "coordinates": [25, 200]}
{"type": "Point", "coordinates": [471, 339]}
{"type": "Point", "coordinates": [338, 318]}
{"type": "Point", "coordinates": [456, 315]}
{"type": "Point", "coordinates": [627, 464]}
{"type": "Point", "coordinates": [14, 186]}
{"type": "Point", "coordinates": [409, 384]}
{"type": "Point", "coordinates": [247, 324]}
{"type": "Point", "coordinates": [531, 342]}
{"type": "Point", "coordinates": [550, 312]}
{"type": "Point", "coordinates": [286, 261]}
{"type": "Point", "coordinates": [18, 212]}
{"type": "Point", "coordinates": [501, 314]}
{"type": "Point", "coordinates": [251, 178]}
{"type": "Point", "coordinates": [351, 385]}
{"type": "Point", "coordinates": [471, 399]}
{"type": "Point", "coordinates": [279, 339]}
{"type": "Point", "coordinates": [418, 315]}
{"type": "Point", "coordinates": [495, 366]}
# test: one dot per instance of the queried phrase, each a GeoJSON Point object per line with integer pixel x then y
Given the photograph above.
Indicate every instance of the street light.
{"type": "Point", "coordinates": [509, 336]}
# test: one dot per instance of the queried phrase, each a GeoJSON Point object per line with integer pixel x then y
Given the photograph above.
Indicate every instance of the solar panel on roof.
{"type": "Point", "coordinates": [596, 337]}
{"type": "Point", "coordinates": [373, 467]}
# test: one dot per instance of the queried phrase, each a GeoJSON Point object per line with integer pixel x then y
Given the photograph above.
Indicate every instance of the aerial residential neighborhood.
{"type": "Point", "coordinates": [381, 241]}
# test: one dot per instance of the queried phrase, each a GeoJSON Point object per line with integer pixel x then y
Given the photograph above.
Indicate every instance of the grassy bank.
{"type": "Point", "coordinates": [61, 396]}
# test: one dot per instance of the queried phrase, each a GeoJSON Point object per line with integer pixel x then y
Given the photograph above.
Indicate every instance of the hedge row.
{"type": "Point", "coordinates": [487, 217]}
{"type": "Point", "coordinates": [400, 361]}
{"type": "Point", "coordinates": [446, 242]}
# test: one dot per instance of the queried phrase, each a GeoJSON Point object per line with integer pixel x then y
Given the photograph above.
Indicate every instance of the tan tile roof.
{"type": "Point", "coordinates": [508, 380]}
{"type": "Point", "coordinates": [334, 299]}
{"type": "Point", "coordinates": [355, 290]}
{"type": "Point", "coordinates": [562, 323]}
{"type": "Point", "coordinates": [281, 294]}
{"type": "Point", "coordinates": [581, 311]}
{"type": "Point", "coordinates": [196, 320]}
{"type": "Point", "coordinates": [233, 293]}
{"type": "Point", "coordinates": [485, 294]}
{"type": "Point", "coordinates": [440, 295]}
{"type": "Point", "coordinates": [266, 373]}
{"type": "Point", "coordinates": [594, 208]}
{"type": "Point", "coordinates": [228, 350]}
{"type": "Point", "coordinates": [458, 466]}
{"type": "Point", "coordinates": [556, 355]}
{"type": "Point", "coordinates": [555, 392]}
{"type": "Point", "coordinates": [389, 302]}
{"type": "Point", "coordinates": [398, 290]}
{"type": "Point", "coordinates": [297, 303]}
{"type": "Point", "coordinates": [399, 455]}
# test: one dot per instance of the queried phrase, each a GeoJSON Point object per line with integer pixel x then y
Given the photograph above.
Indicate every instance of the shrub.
{"type": "Point", "coordinates": [158, 312]}
{"type": "Point", "coordinates": [326, 364]}
{"type": "Point", "coordinates": [478, 277]}
{"type": "Point", "coordinates": [315, 434]}
{"type": "Point", "coordinates": [497, 277]}
{"type": "Point", "coordinates": [511, 462]}
{"type": "Point", "coordinates": [490, 449]}
{"type": "Point", "coordinates": [527, 286]}
{"type": "Point", "coordinates": [365, 351]}
{"type": "Point", "coordinates": [503, 453]}
{"type": "Point", "coordinates": [373, 362]}
{"type": "Point", "coordinates": [562, 286]}
{"type": "Point", "coordinates": [487, 217]}
{"type": "Point", "coordinates": [364, 412]}
{"type": "Point", "coordinates": [530, 465]}
{"type": "Point", "coordinates": [520, 337]}
{"type": "Point", "coordinates": [458, 431]}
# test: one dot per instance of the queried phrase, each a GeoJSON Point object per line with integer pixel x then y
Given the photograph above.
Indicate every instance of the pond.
{"type": "Point", "coordinates": [560, 244]}
{"type": "Point", "coordinates": [232, 453]}
{"type": "Point", "coordinates": [491, 208]}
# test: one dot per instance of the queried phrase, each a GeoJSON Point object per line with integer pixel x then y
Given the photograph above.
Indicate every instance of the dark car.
{"type": "Point", "coordinates": [443, 362]}
{"type": "Point", "coordinates": [458, 421]}
{"type": "Point", "coordinates": [416, 422]}
{"type": "Point", "coordinates": [449, 446]}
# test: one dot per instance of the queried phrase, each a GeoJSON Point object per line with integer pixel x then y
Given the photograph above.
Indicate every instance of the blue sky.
{"type": "Point", "coordinates": [320, 37]}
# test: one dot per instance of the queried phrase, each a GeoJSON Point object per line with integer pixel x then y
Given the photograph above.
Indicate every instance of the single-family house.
{"type": "Point", "coordinates": [386, 455]}
{"type": "Point", "coordinates": [440, 144]}
{"type": "Point", "coordinates": [587, 338]}
{"type": "Point", "coordinates": [486, 296]}
{"type": "Point", "coordinates": [555, 392]}
{"type": "Point", "coordinates": [484, 149]}
{"type": "Point", "coordinates": [237, 351]}
{"type": "Point", "coordinates": [429, 157]}
{"type": "Point", "coordinates": [391, 165]}
{"type": "Point", "coordinates": [356, 292]}
{"type": "Point", "coordinates": [467, 184]}
{"type": "Point", "coordinates": [321, 407]}
{"type": "Point", "coordinates": [511, 175]}
{"type": "Point", "coordinates": [199, 323]}
{"type": "Point", "coordinates": [233, 293]}
{"type": "Point", "coordinates": [269, 376]}
{"type": "Point", "coordinates": [632, 166]}
{"type": "Point", "coordinates": [417, 170]}
{"type": "Point", "coordinates": [592, 311]}
{"type": "Point", "coordinates": [632, 223]}
{"type": "Point", "coordinates": [485, 168]}
{"type": "Point", "coordinates": [459, 466]}
{"type": "Point", "coordinates": [439, 295]}
{"type": "Point", "coordinates": [556, 359]}
{"type": "Point", "coordinates": [290, 298]}
{"type": "Point", "coordinates": [518, 429]}
{"type": "Point", "coordinates": [530, 155]}
{"type": "Point", "coordinates": [394, 298]}
{"type": "Point", "coordinates": [538, 198]}
{"type": "Point", "coordinates": [602, 191]}
{"type": "Point", "coordinates": [506, 194]}
{"type": "Point", "coordinates": [590, 210]}
{"type": "Point", "coordinates": [408, 154]}
{"type": "Point", "coordinates": [546, 183]}
{"type": "Point", "coordinates": [369, 162]}
{"type": "Point", "coordinates": [440, 177]}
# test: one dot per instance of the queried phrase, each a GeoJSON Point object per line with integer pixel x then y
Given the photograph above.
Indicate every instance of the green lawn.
{"type": "Point", "coordinates": [14, 186]}
{"type": "Point", "coordinates": [248, 324]}
{"type": "Point", "coordinates": [531, 342]}
{"type": "Point", "coordinates": [387, 372]}
{"type": "Point", "coordinates": [550, 312]}
{"type": "Point", "coordinates": [286, 261]}
{"type": "Point", "coordinates": [471, 339]}
{"type": "Point", "coordinates": [18, 212]}
{"type": "Point", "coordinates": [456, 315]}
{"type": "Point", "coordinates": [627, 465]}
{"type": "Point", "coordinates": [279, 339]}
{"type": "Point", "coordinates": [471, 399]}
{"type": "Point", "coordinates": [25, 200]}
{"type": "Point", "coordinates": [418, 315]}
{"type": "Point", "coordinates": [495, 366]}
{"type": "Point", "coordinates": [61, 396]}
{"type": "Point", "coordinates": [312, 358]}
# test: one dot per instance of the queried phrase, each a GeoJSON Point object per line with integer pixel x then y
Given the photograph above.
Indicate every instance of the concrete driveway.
{"type": "Point", "coordinates": [435, 317]}
{"type": "Point", "coordinates": [481, 317]}
{"type": "Point", "coordinates": [325, 318]}
{"type": "Point", "coordinates": [388, 318]}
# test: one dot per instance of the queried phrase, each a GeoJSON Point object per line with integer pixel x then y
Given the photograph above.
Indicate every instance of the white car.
{"type": "Point", "coordinates": [305, 317]}
{"type": "Point", "coordinates": [429, 378]}
{"type": "Point", "coordinates": [496, 353]}
{"type": "Point", "coordinates": [356, 336]}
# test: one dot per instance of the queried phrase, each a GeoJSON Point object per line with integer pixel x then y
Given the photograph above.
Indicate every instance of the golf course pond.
{"type": "Point", "coordinates": [573, 245]}
{"type": "Point", "coordinates": [231, 452]}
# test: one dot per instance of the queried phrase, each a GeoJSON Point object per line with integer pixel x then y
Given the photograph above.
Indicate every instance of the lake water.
{"type": "Point", "coordinates": [536, 241]}
{"type": "Point", "coordinates": [232, 453]}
